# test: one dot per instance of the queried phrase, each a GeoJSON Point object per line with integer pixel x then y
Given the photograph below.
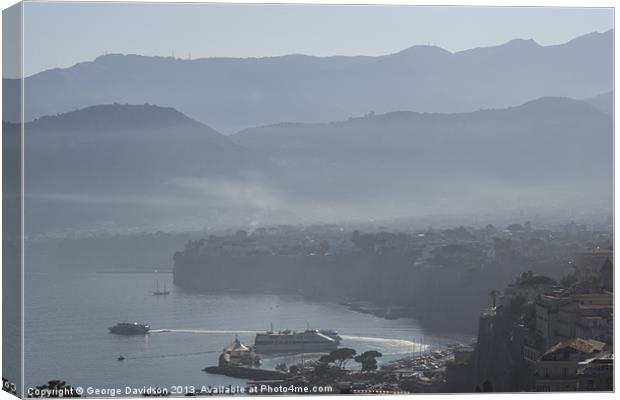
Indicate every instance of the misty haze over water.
{"type": "Point", "coordinates": [382, 196]}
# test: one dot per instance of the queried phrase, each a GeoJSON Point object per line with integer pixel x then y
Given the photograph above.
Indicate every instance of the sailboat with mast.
{"type": "Point", "coordinates": [158, 292]}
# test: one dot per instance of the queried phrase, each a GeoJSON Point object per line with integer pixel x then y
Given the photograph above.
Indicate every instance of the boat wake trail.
{"type": "Point", "coordinates": [389, 343]}
{"type": "Point", "coordinates": [200, 331]}
{"type": "Point", "coordinates": [385, 344]}
{"type": "Point", "coordinates": [172, 355]}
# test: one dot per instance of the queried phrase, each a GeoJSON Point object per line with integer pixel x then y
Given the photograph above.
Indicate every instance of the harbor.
{"type": "Point", "coordinates": [322, 359]}
{"type": "Point", "coordinates": [187, 331]}
{"type": "Point", "coordinates": [421, 372]}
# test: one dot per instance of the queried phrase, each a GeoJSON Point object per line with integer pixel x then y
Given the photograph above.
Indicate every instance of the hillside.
{"type": "Point", "coordinates": [125, 148]}
{"type": "Point", "coordinates": [110, 164]}
{"type": "Point", "coordinates": [236, 93]}
{"type": "Point", "coordinates": [545, 151]}
{"type": "Point", "coordinates": [604, 102]}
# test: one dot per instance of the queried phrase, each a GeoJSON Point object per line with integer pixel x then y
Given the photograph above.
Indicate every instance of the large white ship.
{"type": "Point", "coordinates": [287, 341]}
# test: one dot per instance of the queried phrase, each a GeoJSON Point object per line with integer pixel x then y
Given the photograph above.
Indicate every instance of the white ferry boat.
{"type": "Point", "coordinates": [129, 328]}
{"type": "Point", "coordinates": [287, 341]}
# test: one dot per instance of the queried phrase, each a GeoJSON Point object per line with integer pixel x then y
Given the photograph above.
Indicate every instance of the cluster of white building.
{"type": "Point", "coordinates": [572, 348]}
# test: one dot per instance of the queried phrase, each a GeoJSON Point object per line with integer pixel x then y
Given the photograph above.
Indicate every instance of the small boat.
{"type": "Point", "coordinates": [158, 292]}
{"type": "Point", "coordinates": [120, 358]}
{"type": "Point", "coordinates": [130, 328]}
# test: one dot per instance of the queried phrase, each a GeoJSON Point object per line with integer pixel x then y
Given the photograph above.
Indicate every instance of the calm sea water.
{"type": "Point", "coordinates": [68, 315]}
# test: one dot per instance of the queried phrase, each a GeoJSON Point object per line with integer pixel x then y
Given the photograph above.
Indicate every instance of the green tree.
{"type": "Point", "coordinates": [339, 357]}
{"type": "Point", "coordinates": [326, 359]}
{"type": "Point", "coordinates": [326, 371]}
{"type": "Point", "coordinates": [368, 360]}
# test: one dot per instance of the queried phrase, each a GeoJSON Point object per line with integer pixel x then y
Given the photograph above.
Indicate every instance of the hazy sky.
{"type": "Point", "coordinates": [61, 34]}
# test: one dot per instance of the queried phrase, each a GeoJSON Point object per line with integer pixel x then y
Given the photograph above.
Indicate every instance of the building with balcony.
{"type": "Point", "coordinates": [597, 373]}
{"type": "Point", "coordinates": [556, 370]}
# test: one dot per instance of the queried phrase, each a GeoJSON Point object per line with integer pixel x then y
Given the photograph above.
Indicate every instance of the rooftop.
{"type": "Point", "coordinates": [587, 346]}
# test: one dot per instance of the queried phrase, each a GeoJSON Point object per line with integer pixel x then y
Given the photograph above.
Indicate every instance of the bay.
{"type": "Point", "coordinates": [67, 315]}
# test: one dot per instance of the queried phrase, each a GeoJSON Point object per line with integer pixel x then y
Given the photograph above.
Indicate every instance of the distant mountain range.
{"type": "Point", "coordinates": [233, 93]}
{"type": "Point", "coordinates": [125, 148]}
{"type": "Point", "coordinates": [154, 163]}
{"type": "Point", "coordinates": [549, 142]}
{"type": "Point", "coordinates": [121, 164]}
{"type": "Point", "coordinates": [603, 102]}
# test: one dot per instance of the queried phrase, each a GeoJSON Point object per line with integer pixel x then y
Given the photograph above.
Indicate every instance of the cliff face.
{"type": "Point", "coordinates": [442, 285]}
{"type": "Point", "coordinates": [387, 279]}
{"type": "Point", "coordinates": [497, 364]}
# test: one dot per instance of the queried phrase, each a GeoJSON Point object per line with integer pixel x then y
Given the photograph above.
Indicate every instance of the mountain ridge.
{"type": "Point", "coordinates": [336, 56]}
{"type": "Point", "coordinates": [411, 139]}
{"type": "Point", "coordinates": [233, 94]}
{"type": "Point", "coordinates": [117, 113]}
{"type": "Point", "coordinates": [382, 165]}
{"type": "Point", "coordinates": [559, 104]}
{"type": "Point", "coordinates": [603, 102]}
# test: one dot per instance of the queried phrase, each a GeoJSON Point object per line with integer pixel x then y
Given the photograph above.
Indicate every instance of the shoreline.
{"type": "Point", "coordinates": [459, 327]}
